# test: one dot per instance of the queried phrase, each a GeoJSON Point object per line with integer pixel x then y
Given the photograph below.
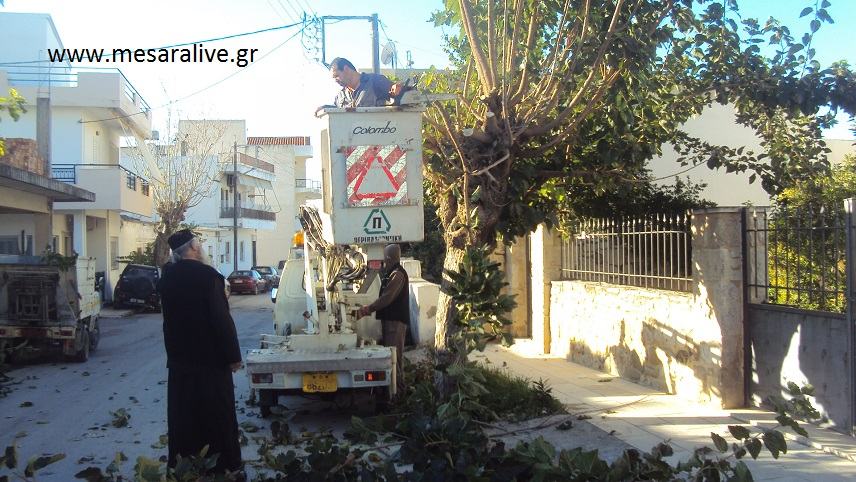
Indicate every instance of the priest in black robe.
{"type": "Point", "coordinates": [202, 353]}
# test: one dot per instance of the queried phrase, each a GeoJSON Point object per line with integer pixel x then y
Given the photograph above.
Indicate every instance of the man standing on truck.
{"type": "Point", "coordinates": [360, 89]}
{"type": "Point", "coordinates": [202, 353]}
{"type": "Point", "coordinates": [393, 305]}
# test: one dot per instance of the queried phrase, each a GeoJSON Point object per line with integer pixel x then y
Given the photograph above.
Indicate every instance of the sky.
{"type": "Point", "coordinates": [277, 94]}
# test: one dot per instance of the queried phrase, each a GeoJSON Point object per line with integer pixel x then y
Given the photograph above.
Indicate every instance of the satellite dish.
{"type": "Point", "coordinates": [388, 54]}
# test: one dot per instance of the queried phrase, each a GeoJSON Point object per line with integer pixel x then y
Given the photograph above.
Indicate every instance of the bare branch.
{"type": "Point", "coordinates": [491, 41]}
{"type": "Point", "coordinates": [530, 44]}
{"type": "Point", "coordinates": [485, 71]}
{"type": "Point", "coordinates": [595, 67]}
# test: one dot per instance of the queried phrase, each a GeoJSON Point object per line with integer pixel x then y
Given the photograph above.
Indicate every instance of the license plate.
{"type": "Point", "coordinates": [319, 382]}
{"type": "Point", "coordinates": [237, 281]}
{"type": "Point", "coordinates": [136, 300]}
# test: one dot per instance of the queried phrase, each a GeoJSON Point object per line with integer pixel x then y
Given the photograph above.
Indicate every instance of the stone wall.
{"type": "Point", "coordinates": [657, 338]}
{"type": "Point", "coordinates": [24, 154]}
{"type": "Point", "coordinates": [689, 344]}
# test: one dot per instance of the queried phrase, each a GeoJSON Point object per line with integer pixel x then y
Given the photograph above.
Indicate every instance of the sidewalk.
{"type": "Point", "coordinates": [643, 417]}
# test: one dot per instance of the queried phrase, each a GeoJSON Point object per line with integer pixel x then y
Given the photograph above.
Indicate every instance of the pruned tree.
{"type": "Point", "coordinates": [189, 167]}
{"type": "Point", "coordinates": [563, 99]}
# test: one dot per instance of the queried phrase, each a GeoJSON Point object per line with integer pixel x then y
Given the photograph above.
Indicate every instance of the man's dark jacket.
{"type": "Point", "coordinates": [201, 342]}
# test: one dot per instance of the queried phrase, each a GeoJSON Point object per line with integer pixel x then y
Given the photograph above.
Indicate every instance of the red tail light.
{"type": "Point", "coordinates": [262, 377]}
{"type": "Point", "coordinates": [375, 376]}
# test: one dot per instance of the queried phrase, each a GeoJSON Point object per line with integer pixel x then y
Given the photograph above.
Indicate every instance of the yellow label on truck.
{"type": "Point", "coordinates": [319, 382]}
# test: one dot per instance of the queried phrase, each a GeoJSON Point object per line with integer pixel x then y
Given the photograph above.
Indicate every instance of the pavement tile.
{"type": "Point", "coordinates": [644, 417]}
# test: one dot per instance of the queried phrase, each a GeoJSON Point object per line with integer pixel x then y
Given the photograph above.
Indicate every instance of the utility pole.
{"type": "Point", "coordinates": [373, 18]}
{"type": "Point", "coordinates": [375, 45]}
{"type": "Point", "coordinates": [235, 207]}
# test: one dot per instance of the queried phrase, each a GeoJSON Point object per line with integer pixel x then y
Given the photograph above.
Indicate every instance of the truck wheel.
{"type": "Point", "coordinates": [94, 335]}
{"type": "Point", "coordinates": [267, 399]}
{"type": "Point", "coordinates": [83, 354]}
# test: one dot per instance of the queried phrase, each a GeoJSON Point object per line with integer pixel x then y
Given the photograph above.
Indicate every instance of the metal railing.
{"type": "Point", "coordinates": [798, 258]}
{"type": "Point", "coordinates": [647, 252]}
{"type": "Point", "coordinates": [307, 184]}
{"type": "Point", "coordinates": [229, 212]}
{"type": "Point", "coordinates": [66, 76]}
{"type": "Point", "coordinates": [68, 173]}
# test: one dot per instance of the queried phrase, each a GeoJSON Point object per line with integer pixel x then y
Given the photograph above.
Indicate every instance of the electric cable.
{"type": "Point", "coordinates": [181, 99]}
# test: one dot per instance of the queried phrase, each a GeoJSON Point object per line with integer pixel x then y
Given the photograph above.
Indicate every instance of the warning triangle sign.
{"type": "Point", "coordinates": [376, 180]}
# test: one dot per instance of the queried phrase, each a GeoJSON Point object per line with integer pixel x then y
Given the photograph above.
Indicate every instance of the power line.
{"type": "Point", "coordinates": [181, 99]}
{"type": "Point", "coordinates": [215, 39]}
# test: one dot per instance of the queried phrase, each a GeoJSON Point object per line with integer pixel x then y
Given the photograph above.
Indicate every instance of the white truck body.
{"type": "Point", "coordinates": [371, 196]}
{"type": "Point", "coordinates": [45, 306]}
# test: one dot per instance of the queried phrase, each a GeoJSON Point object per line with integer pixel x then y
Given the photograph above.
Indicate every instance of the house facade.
{"type": "Point", "coordinates": [76, 120]}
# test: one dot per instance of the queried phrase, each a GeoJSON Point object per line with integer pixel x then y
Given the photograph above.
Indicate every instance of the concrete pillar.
{"type": "Point", "coordinates": [514, 264]}
{"type": "Point", "coordinates": [42, 232]}
{"type": "Point", "coordinates": [43, 131]}
{"type": "Point", "coordinates": [79, 235]}
{"type": "Point", "coordinates": [717, 257]}
{"type": "Point", "coordinates": [545, 254]}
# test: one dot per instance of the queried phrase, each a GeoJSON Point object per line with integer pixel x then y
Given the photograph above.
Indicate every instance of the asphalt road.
{"type": "Point", "coordinates": [66, 407]}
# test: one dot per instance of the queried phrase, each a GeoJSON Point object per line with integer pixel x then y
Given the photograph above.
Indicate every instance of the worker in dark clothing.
{"type": "Point", "coordinates": [360, 89]}
{"type": "Point", "coordinates": [202, 353]}
{"type": "Point", "coordinates": [393, 305]}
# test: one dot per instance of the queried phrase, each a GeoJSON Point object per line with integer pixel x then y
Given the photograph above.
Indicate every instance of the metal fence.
{"type": "Point", "coordinates": [648, 252]}
{"type": "Point", "coordinates": [798, 258]}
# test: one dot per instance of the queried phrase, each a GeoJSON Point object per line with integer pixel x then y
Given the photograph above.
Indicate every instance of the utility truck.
{"type": "Point", "coordinates": [371, 196]}
{"type": "Point", "coordinates": [48, 303]}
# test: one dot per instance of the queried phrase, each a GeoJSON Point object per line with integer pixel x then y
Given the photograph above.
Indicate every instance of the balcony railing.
{"type": "Point", "coordinates": [257, 163]}
{"type": "Point", "coordinates": [308, 185]}
{"type": "Point", "coordinates": [249, 213]}
{"type": "Point", "coordinates": [68, 77]}
{"type": "Point", "coordinates": [68, 173]}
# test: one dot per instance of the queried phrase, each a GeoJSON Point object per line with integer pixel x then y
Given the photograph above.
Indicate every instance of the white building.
{"type": "Point", "coordinates": [291, 189]}
{"type": "Point", "coordinates": [77, 119]}
{"type": "Point", "coordinates": [257, 210]}
{"type": "Point", "coordinates": [717, 124]}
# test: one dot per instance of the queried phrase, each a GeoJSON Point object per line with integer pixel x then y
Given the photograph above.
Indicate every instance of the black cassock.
{"type": "Point", "coordinates": [201, 343]}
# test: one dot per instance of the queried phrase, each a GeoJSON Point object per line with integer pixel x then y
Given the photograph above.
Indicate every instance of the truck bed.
{"type": "Point", "coordinates": [281, 360]}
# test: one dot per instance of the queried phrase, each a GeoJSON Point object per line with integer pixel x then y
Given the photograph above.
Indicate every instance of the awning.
{"type": "Point", "coordinates": [255, 182]}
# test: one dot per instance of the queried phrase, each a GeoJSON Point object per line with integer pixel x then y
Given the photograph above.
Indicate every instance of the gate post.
{"type": "Point", "coordinates": [850, 304]}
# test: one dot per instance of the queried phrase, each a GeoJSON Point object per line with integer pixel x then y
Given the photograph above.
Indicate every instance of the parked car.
{"type": "Point", "coordinates": [137, 287]}
{"type": "Point", "coordinates": [247, 281]}
{"type": "Point", "coordinates": [270, 274]}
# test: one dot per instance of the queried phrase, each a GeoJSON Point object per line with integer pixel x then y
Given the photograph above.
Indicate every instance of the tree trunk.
{"type": "Point", "coordinates": [161, 249]}
{"type": "Point", "coordinates": [446, 312]}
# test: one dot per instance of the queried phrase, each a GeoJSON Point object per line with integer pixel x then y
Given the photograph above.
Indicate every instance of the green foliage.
{"type": "Point", "coordinates": [806, 240]}
{"type": "Point", "coordinates": [64, 263]}
{"type": "Point", "coordinates": [476, 291]}
{"type": "Point", "coordinates": [14, 106]}
{"type": "Point", "coordinates": [521, 399]}
{"type": "Point", "coordinates": [431, 250]}
{"type": "Point", "coordinates": [146, 257]}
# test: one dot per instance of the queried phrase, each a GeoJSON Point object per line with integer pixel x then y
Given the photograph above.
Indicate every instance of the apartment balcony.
{"type": "Point", "coordinates": [102, 88]}
{"type": "Point", "coordinates": [307, 185]}
{"type": "Point", "coordinates": [116, 188]}
{"type": "Point", "coordinates": [255, 217]}
{"type": "Point", "coordinates": [252, 172]}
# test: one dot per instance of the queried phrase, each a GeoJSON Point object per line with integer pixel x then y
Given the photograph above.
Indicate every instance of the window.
{"type": "Point", "coordinates": [228, 252]}
{"type": "Point", "coordinates": [114, 252]}
{"type": "Point", "coordinates": [242, 251]}
{"type": "Point", "coordinates": [12, 245]}
{"type": "Point", "coordinates": [55, 244]}
{"type": "Point", "coordinates": [8, 245]}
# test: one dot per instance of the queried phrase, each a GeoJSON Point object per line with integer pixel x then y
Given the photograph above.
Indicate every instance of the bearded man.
{"type": "Point", "coordinates": [202, 353]}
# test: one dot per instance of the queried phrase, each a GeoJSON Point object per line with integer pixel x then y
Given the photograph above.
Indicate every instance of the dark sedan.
{"type": "Point", "coordinates": [247, 281]}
